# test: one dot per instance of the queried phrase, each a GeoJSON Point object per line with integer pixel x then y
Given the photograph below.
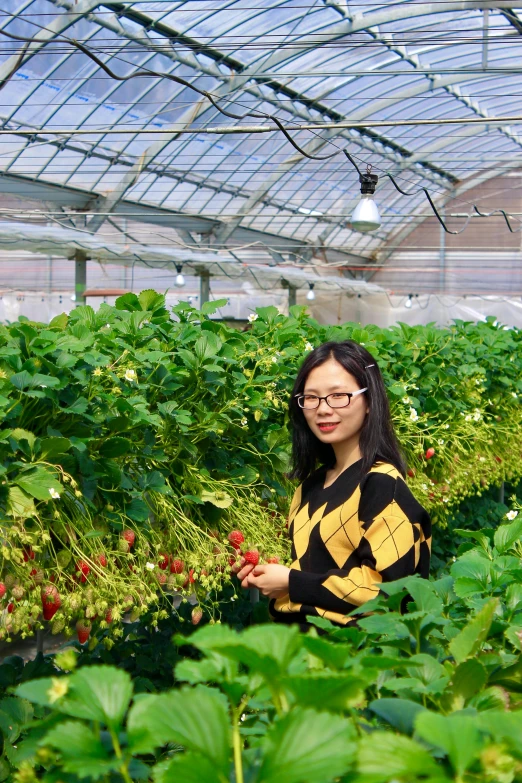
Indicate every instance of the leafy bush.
{"type": "Point", "coordinates": [132, 443]}
{"type": "Point", "coordinates": [430, 695]}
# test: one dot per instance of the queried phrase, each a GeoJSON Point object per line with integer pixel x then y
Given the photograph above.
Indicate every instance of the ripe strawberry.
{"type": "Point", "coordinates": [10, 607]}
{"type": "Point", "coordinates": [272, 560]}
{"type": "Point", "coordinates": [236, 538]}
{"type": "Point", "coordinates": [161, 578]}
{"type": "Point", "coordinates": [108, 616]}
{"type": "Point", "coordinates": [102, 560]}
{"type": "Point", "coordinates": [498, 459]}
{"type": "Point", "coordinates": [51, 601]}
{"type": "Point", "coordinates": [430, 452]}
{"type": "Point", "coordinates": [252, 557]}
{"type": "Point", "coordinates": [196, 616]}
{"type": "Point", "coordinates": [163, 562]}
{"type": "Point", "coordinates": [28, 553]}
{"type": "Point", "coordinates": [411, 473]}
{"type": "Point", "coordinates": [83, 630]}
{"type": "Point", "coordinates": [82, 566]}
{"type": "Point", "coordinates": [190, 578]}
{"type": "Point", "coordinates": [3, 589]}
{"type": "Point", "coordinates": [177, 566]}
{"type": "Point", "coordinates": [129, 536]}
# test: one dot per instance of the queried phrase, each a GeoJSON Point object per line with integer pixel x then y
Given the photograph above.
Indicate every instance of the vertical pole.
{"type": "Point", "coordinates": [501, 493]}
{"type": "Point", "coordinates": [292, 299]}
{"type": "Point", "coordinates": [204, 287]}
{"type": "Point", "coordinates": [485, 36]}
{"type": "Point", "coordinates": [254, 595]}
{"type": "Point", "coordinates": [442, 256]}
{"type": "Point", "coordinates": [80, 276]}
{"type": "Point", "coordinates": [39, 641]}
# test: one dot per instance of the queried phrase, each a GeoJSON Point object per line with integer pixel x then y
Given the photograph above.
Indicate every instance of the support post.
{"type": "Point", "coordinates": [204, 287]}
{"type": "Point", "coordinates": [80, 276]}
{"type": "Point", "coordinates": [291, 293]}
{"type": "Point", "coordinates": [485, 37]}
{"type": "Point", "coordinates": [501, 493]}
{"type": "Point", "coordinates": [442, 256]}
{"type": "Point", "coordinates": [254, 595]}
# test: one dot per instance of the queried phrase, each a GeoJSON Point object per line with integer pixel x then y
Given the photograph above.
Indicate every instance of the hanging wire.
{"type": "Point", "coordinates": [256, 114]}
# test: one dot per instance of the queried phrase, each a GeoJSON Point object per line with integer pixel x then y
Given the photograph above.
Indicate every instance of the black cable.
{"type": "Point", "coordinates": [255, 114]}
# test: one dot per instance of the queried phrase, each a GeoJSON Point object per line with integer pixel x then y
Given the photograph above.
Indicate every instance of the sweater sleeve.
{"type": "Point", "coordinates": [389, 548]}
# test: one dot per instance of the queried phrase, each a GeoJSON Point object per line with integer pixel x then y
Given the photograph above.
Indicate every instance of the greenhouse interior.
{"type": "Point", "coordinates": [261, 391]}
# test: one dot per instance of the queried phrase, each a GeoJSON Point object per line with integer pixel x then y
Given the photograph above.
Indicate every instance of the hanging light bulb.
{"type": "Point", "coordinates": [366, 216]}
{"type": "Point", "coordinates": [311, 295]}
{"type": "Point", "coordinates": [408, 302]}
{"type": "Point", "coordinates": [180, 280]}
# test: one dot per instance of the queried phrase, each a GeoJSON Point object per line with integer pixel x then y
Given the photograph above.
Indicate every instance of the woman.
{"type": "Point", "coordinates": [353, 521]}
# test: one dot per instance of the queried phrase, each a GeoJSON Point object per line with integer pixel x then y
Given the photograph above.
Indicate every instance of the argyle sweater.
{"type": "Point", "coordinates": [348, 538]}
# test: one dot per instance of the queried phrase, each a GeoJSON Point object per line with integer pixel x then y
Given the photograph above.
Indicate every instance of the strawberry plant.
{"type": "Point", "coordinates": [133, 438]}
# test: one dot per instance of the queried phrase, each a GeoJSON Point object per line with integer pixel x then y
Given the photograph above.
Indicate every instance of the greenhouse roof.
{"type": "Point", "coordinates": [144, 150]}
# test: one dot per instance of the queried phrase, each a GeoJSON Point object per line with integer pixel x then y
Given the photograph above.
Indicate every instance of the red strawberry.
{"type": "Point", "coordinates": [196, 616]}
{"type": "Point", "coordinates": [252, 557]}
{"type": "Point", "coordinates": [28, 553]}
{"type": "Point", "coordinates": [430, 452]}
{"type": "Point", "coordinates": [190, 578]}
{"type": "Point", "coordinates": [83, 630]}
{"type": "Point", "coordinates": [163, 562]}
{"type": "Point", "coordinates": [129, 536]}
{"type": "Point", "coordinates": [83, 569]}
{"type": "Point", "coordinates": [177, 566]}
{"type": "Point", "coordinates": [51, 601]}
{"type": "Point", "coordinates": [10, 607]}
{"type": "Point", "coordinates": [102, 560]}
{"type": "Point", "coordinates": [108, 616]}
{"type": "Point", "coordinates": [411, 473]}
{"type": "Point", "coordinates": [161, 578]}
{"type": "Point", "coordinates": [272, 560]}
{"type": "Point", "coordinates": [236, 538]}
{"type": "Point", "coordinates": [498, 459]}
{"type": "Point", "coordinates": [2, 589]}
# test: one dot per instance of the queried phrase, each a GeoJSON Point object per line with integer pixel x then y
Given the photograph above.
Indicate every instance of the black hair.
{"type": "Point", "coordinates": [377, 438]}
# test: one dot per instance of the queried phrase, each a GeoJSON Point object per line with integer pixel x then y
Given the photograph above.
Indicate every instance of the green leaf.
{"type": "Point", "coordinates": [38, 482]}
{"type": "Point", "coordinates": [115, 447]}
{"type": "Point", "coordinates": [196, 718]}
{"type": "Point", "coordinates": [219, 499]}
{"type": "Point", "coordinates": [137, 510]}
{"type": "Point", "coordinates": [207, 346]}
{"type": "Point", "coordinates": [81, 750]}
{"type": "Point", "coordinates": [469, 678]}
{"type": "Point", "coordinates": [306, 745]}
{"type": "Point", "coordinates": [507, 535]}
{"type": "Point", "coordinates": [59, 321]}
{"type": "Point", "coordinates": [20, 434]}
{"type": "Point", "coordinates": [399, 713]}
{"type": "Point", "coordinates": [151, 300]}
{"type": "Point", "coordinates": [474, 634]}
{"type": "Point", "coordinates": [19, 504]}
{"type": "Point", "coordinates": [457, 735]}
{"type": "Point", "coordinates": [100, 693]}
{"type": "Point", "coordinates": [79, 406]}
{"type": "Point", "coordinates": [208, 308]}
{"type": "Point", "coordinates": [328, 691]}
{"type": "Point", "coordinates": [50, 448]}
{"type": "Point", "coordinates": [425, 597]}
{"type": "Point", "coordinates": [186, 768]}
{"type": "Point", "coordinates": [384, 757]}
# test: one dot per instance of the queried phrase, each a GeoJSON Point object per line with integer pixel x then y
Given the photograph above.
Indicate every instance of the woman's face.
{"type": "Point", "coordinates": [334, 425]}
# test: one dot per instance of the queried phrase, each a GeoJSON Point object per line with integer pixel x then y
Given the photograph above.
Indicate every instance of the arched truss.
{"type": "Point", "coordinates": [404, 60]}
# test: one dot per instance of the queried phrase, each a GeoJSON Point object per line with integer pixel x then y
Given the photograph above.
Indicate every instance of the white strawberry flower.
{"type": "Point", "coordinates": [413, 414]}
{"type": "Point", "coordinates": [130, 375]}
{"type": "Point", "coordinates": [309, 346]}
{"type": "Point", "coordinates": [253, 317]}
{"type": "Point", "coordinates": [406, 400]}
{"type": "Point", "coordinates": [54, 494]}
{"type": "Point", "coordinates": [150, 566]}
{"type": "Point", "coordinates": [511, 514]}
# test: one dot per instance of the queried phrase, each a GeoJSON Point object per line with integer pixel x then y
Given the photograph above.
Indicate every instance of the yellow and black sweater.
{"type": "Point", "coordinates": [348, 538]}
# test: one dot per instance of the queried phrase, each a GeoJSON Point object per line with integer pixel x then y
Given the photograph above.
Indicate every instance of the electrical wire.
{"type": "Point", "coordinates": [256, 114]}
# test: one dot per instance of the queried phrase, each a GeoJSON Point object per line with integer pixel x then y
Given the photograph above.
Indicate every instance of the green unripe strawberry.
{"type": "Point", "coordinates": [58, 625]}
{"type": "Point", "coordinates": [63, 558]}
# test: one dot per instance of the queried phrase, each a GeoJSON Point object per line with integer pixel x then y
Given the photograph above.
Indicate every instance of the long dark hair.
{"type": "Point", "coordinates": [377, 439]}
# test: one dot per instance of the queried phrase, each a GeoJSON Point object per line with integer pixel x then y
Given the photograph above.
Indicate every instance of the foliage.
{"type": "Point", "coordinates": [430, 695]}
{"type": "Point", "coordinates": [132, 439]}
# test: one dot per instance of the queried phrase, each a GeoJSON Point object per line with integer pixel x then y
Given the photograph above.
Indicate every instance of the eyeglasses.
{"type": "Point", "coordinates": [335, 400]}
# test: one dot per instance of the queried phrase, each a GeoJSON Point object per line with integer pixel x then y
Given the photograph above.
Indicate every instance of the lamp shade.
{"type": "Point", "coordinates": [366, 216]}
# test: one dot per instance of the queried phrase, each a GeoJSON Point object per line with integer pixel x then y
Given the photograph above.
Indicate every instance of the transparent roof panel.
{"type": "Point", "coordinates": [146, 140]}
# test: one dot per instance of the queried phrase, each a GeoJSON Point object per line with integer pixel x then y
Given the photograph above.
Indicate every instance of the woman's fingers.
{"type": "Point", "coordinates": [245, 571]}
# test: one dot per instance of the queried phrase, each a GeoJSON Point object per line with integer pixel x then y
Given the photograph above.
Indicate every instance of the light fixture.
{"type": "Point", "coordinates": [366, 215]}
{"type": "Point", "coordinates": [311, 295]}
{"type": "Point", "coordinates": [408, 301]}
{"type": "Point", "coordinates": [180, 280]}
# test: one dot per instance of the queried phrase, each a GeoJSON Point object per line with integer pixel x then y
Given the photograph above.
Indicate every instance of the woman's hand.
{"type": "Point", "coordinates": [271, 579]}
